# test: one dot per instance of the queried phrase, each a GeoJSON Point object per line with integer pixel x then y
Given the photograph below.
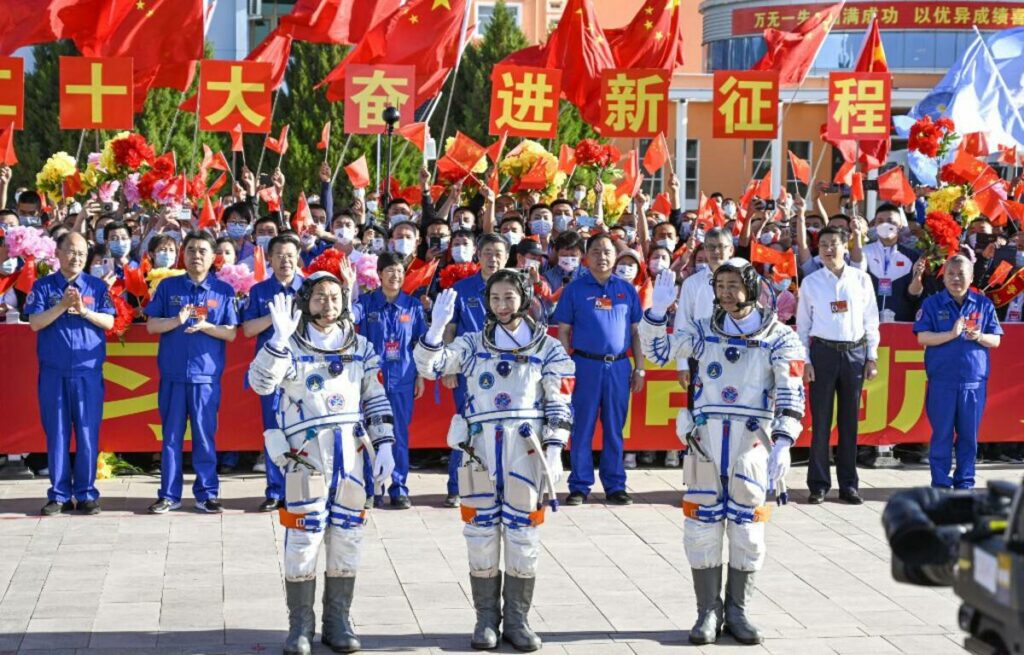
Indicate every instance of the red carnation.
{"type": "Point", "coordinates": [931, 139]}
{"type": "Point", "coordinates": [132, 151]}
{"type": "Point", "coordinates": [123, 316]}
{"type": "Point", "coordinates": [944, 229]}
{"type": "Point", "coordinates": [329, 260]}
{"type": "Point", "coordinates": [456, 272]}
{"type": "Point", "coordinates": [147, 184]}
{"type": "Point", "coordinates": [196, 188]}
{"type": "Point", "coordinates": [163, 166]}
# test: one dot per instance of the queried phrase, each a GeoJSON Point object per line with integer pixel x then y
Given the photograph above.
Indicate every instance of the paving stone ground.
{"type": "Point", "coordinates": [612, 580]}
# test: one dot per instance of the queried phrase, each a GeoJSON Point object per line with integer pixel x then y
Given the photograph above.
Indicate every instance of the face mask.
{"type": "Point", "coordinates": [540, 227]}
{"type": "Point", "coordinates": [403, 247]}
{"type": "Point", "coordinates": [767, 238]}
{"type": "Point", "coordinates": [532, 263]}
{"type": "Point", "coordinates": [658, 265]}
{"type": "Point", "coordinates": [886, 231]}
{"type": "Point", "coordinates": [11, 264]}
{"type": "Point", "coordinates": [164, 259]}
{"type": "Point", "coordinates": [118, 248]}
{"type": "Point", "coordinates": [668, 244]}
{"type": "Point", "coordinates": [498, 216]}
{"type": "Point", "coordinates": [377, 245]}
{"type": "Point", "coordinates": [307, 240]}
{"type": "Point", "coordinates": [729, 210]}
{"type": "Point", "coordinates": [136, 240]}
{"type": "Point", "coordinates": [462, 254]}
{"type": "Point", "coordinates": [630, 233]}
{"type": "Point", "coordinates": [513, 237]}
{"type": "Point", "coordinates": [398, 218]}
{"type": "Point", "coordinates": [444, 243]}
{"type": "Point", "coordinates": [371, 206]}
{"type": "Point", "coordinates": [99, 238]}
{"type": "Point", "coordinates": [872, 234]}
{"type": "Point", "coordinates": [263, 242]}
{"type": "Point", "coordinates": [95, 271]}
{"type": "Point", "coordinates": [237, 230]}
{"type": "Point", "coordinates": [579, 196]}
{"type": "Point", "coordinates": [813, 230]}
{"type": "Point", "coordinates": [782, 284]}
{"type": "Point", "coordinates": [345, 234]}
{"type": "Point", "coordinates": [568, 264]}
{"type": "Point", "coordinates": [31, 221]}
{"type": "Point", "coordinates": [703, 267]}
{"type": "Point", "coordinates": [561, 223]}
{"type": "Point", "coordinates": [626, 271]}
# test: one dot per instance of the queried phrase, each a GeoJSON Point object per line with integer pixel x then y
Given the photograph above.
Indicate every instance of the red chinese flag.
{"type": "Point", "coordinates": [275, 50]}
{"type": "Point", "coordinates": [358, 173]}
{"type": "Point", "coordinates": [567, 159]}
{"type": "Point", "coordinates": [414, 133]}
{"type": "Point", "coordinates": [259, 265]}
{"type": "Point", "coordinates": [27, 276]}
{"type": "Point", "coordinates": [662, 204]}
{"type": "Point", "coordinates": [135, 282]}
{"type": "Point", "coordinates": [423, 33]}
{"type": "Point", "coordinates": [975, 144]}
{"type": "Point", "coordinates": [419, 274]}
{"type": "Point", "coordinates": [653, 39]}
{"type": "Point", "coordinates": [7, 156]}
{"type": "Point", "coordinates": [783, 263]}
{"type": "Point", "coordinates": [657, 154]}
{"type": "Point", "coordinates": [764, 187]}
{"type": "Point", "coordinates": [342, 22]}
{"type": "Point", "coordinates": [30, 22]}
{"type": "Point", "coordinates": [751, 192]}
{"type": "Point", "coordinates": [631, 178]}
{"type": "Point", "coordinates": [579, 48]}
{"type": "Point", "coordinates": [792, 53]}
{"type": "Point", "coordinates": [536, 178]}
{"type": "Point", "coordinates": [96, 93]}
{"type": "Point", "coordinates": [990, 201]}
{"type": "Point", "coordinates": [857, 187]}
{"type": "Point", "coordinates": [220, 162]}
{"type": "Point", "coordinates": [496, 149]}
{"type": "Point", "coordinates": [302, 221]}
{"type": "Point", "coordinates": [1014, 210]}
{"type": "Point", "coordinates": [801, 169]}
{"type": "Point", "coordinates": [325, 137]}
{"type": "Point", "coordinates": [12, 91]}
{"type": "Point", "coordinates": [279, 145]}
{"type": "Point", "coordinates": [237, 141]}
{"type": "Point", "coordinates": [270, 196]}
{"type": "Point", "coordinates": [1008, 156]}
{"type": "Point", "coordinates": [218, 185]}
{"type": "Point", "coordinates": [465, 151]}
{"type": "Point", "coordinates": [845, 174]}
{"type": "Point", "coordinates": [207, 218]}
{"type": "Point", "coordinates": [235, 93]}
{"type": "Point", "coordinates": [893, 186]}
{"type": "Point", "coordinates": [1000, 274]}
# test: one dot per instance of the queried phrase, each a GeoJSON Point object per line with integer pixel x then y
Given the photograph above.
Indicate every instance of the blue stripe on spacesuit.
{"type": "Point", "coordinates": [525, 479]}
{"type": "Point", "coordinates": [517, 413]}
{"type": "Point", "coordinates": [751, 481]}
{"type": "Point", "coordinates": [319, 422]}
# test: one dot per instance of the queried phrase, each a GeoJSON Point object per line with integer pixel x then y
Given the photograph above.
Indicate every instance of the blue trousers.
{"type": "Point", "coordinates": [455, 457]}
{"type": "Point", "coordinates": [401, 407]}
{"type": "Point", "coordinates": [275, 476]}
{"type": "Point", "coordinates": [600, 388]}
{"type": "Point", "coordinates": [954, 409]}
{"type": "Point", "coordinates": [197, 403]}
{"type": "Point", "coordinates": [67, 402]}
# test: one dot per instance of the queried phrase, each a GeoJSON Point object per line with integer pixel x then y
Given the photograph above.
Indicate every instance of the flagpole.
{"type": "Point", "coordinates": [81, 142]}
{"type": "Point", "coordinates": [341, 159]}
{"type": "Point", "coordinates": [263, 150]}
{"type": "Point", "coordinates": [430, 114]}
{"type": "Point", "coordinates": [455, 76]}
{"type": "Point", "coordinates": [999, 76]}
{"type": "Point", "coordinates": [174, 121]}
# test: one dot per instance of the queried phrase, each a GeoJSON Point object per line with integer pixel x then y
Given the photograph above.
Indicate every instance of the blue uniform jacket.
{"type": "Point", "coordinates": [470, 312]}
{"type": "Point", "coordinates": [393, 329]}
{"type": "Point", "coordinates": [602, 315]}
{"type": "Point", "coordinates": [70, 345]}
{"type": "Point", "coordinates": [959, 361]}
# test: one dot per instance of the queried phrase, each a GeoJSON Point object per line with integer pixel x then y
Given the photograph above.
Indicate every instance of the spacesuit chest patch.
{"type": "Point", "coordinates": [335, 402]}
{"type": "Point", "coordinates": [714, 370]}
{"type": "Point", "coordinates": [732, 353]}
{"type": "Point", "coordinates": [730, 395]}
{"type": "Point", "coordinates": [315, 382]}
{"type": "Point", "coordinates": [486, 380]}
{"type": "Point", "coordinates": [503, 401]}
{"type": "Point", "coordinates": [504, 368]}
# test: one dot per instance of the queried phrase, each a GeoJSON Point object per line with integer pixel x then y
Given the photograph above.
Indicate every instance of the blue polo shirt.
{"type": "Point", "coordinates": [70, 345]}
{"type": "Point", "coordinates": [258, 304]}
{"type": "Point", "coordinates": [393, 328]}
{"type": "Point", "coordinates": [470, 311]}
{"type": "Point", "coordinates": [601, 315]}
{"type": "Point", "coordinates": [960, 361]}
{"type": "Point", "coordinates": [197, 357]}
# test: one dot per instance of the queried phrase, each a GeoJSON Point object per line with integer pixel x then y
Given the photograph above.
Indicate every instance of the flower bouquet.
{"type": "Point", "coordinates": [50, 180]}
{"type": "Point", "coordinates": [454, 273]}
{"type": "Point", "coordinates": [34, 247]}
{"type": "Point", "coordinates": [614, 204]}
{"type": "Point", "coordinates": [158, 275]}
{"type": "Point", "coordinates": [238, 277]}
{"type": "Point", "coordinates": [932, 139]}
{"type": "Point", "coordinates": [366, 273]}
{"type": "Point", "coordinates": [941, 238]}
{"type": "Point", "coordinates": [124, 314]}
{"type": "Point", "coordinates": [530, 160]}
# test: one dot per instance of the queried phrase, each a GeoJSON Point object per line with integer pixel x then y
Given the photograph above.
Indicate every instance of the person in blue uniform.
{"type": "Point", "coordinates": [284, 262]}
{"type": "Point", "coordinates": [195, 316]}
{"type": "Point", "coordinates": [957, 328]}
{"type": "Point", "coordinates": [71, 310]}
{"type": "Point", "coordinates": [597, 318]}
{"type": "Point", "coordinates": [492, 253]}
{"type": "Point", "coordinates": [393, 322]}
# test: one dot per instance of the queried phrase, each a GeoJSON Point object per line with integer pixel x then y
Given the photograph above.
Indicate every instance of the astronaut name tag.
{"type": "Point", "coordinates": [392, 351]}
{"type": "Point", "coordinates": [199, 312]}
{"type": "Point", "coordinates": [884, 287]}
{"type": "Point", "coordinates": [603, 303]}
{"type": "Point", "coordinates": [840, 307]}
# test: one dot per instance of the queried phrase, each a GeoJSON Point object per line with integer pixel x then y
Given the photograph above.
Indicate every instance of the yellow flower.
{"type": "Point", "coordinates": [158, 275]}
{"type": "Point", "coordinates": [107, 161]}
{"type": "Point", "coordinates": [614, 204]}
{"type": "Point", "coordinates": [942, 200]}
{"type": "Point", "coordinates": [51, 178]}
{"type": "Point", "coordinates": [104, 471]}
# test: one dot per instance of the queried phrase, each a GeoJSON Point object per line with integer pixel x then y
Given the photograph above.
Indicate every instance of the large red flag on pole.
{"type": "Point", "coordinates": [792, 53]}
{"type": "Point", "coordinates": [336, 21]}
{"type": "Point", "coordinates": [654, 38]}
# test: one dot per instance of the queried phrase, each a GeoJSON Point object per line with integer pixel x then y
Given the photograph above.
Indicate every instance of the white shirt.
{"type": "Point", "coordinates": [838, 308]}
{"type": "Point", "coordinates": [696, 301]}
{"type": "Point", "coordinates": [887, 262]}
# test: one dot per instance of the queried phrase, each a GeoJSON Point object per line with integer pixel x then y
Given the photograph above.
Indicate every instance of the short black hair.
{"type": "Point", "coordinates": [592, 241]}
{"type": "Point", "coordinates": [539, 205]}
{"type": "Point", "coordinates": [30, 196]}
{"type": "Point", "coordinates": [492, 238]}
{"type": "Point", "coordinates": [563, 201]}
{"type": "Point", "coordinates": [388, 258]}
{"type": "Point", "coordinates": [8, 212]}
{"type": "Point", "coordinates": [316, 205]}
{"type": "Point", "coordinates": [398, 201]}
{"type": "Point", "coordinates": [262, 220]}
{"type": "Point", "coordinates": [842, 233]}
{"type": "Point", "coordinates": [373, 227]}
{"type": "Point", "coordinates": [241, 208]}
{"type": "Point", "coordinates": [886, 207]}
{"type": "Point", "coordinates": [115, 225]}
{"type": "Point", "coordinates": [228, 240]}
{"type": "Point", "coordinates": [568, 239]}
{"type": "Point", "coordinates": [199, 235]}
{"type": "Point", "coordinates": [283, 239]}
{"type": "Point", "coordinates": [469, 234]}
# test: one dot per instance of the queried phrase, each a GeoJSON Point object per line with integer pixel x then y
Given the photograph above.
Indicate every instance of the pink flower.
{"type": "Point", "coordinates": [27, 242]}
{"type": "Point", "coordinates": [238, 277]}
{"type": "Point", "coordinates": [94, 161]}
{"type": "Point", "coordinates": [131, 189]}
{"type": "Point", "coordinates": [107, 190]}
{"type": "Point", "coordinates": [366, 272]}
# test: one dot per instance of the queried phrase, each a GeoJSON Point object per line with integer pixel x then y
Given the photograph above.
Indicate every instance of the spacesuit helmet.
{"type": "Point", "coordinates": [521, 282]}
{"type": "Point", "coordinates": [305, 294]}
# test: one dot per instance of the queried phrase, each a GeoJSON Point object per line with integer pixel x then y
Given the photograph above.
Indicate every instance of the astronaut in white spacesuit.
{"type": "Point", "coordinates": [326, 381]}
{"type": "Point", "coordinates": [748, 401]}
{"type": "Point", "coordinates": [513, 427]}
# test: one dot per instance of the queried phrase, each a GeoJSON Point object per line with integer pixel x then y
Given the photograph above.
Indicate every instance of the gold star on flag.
{"type": "Point", "coordinates": [413, 18]}
{"type": "Point", "coordinates": [658, 36]}
{"type": "Point", "coordinates": [442, 3]}
{"type": "Point", "coordinates": [648, 24]}
{"type": "Point", "coordinates": [649, 11]}
{"type": "Point", "coordinates": [600, 39]}
{"type": "Point", "coordinates": [140, 5]}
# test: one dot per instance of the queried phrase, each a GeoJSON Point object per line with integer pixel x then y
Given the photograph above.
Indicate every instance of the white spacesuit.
{"type": "Point", "coordinates": [748, 402]}
{"type": "Point", "coordinates": [519, 383]}
{"type": "Point", "coordinates": [328, 387]}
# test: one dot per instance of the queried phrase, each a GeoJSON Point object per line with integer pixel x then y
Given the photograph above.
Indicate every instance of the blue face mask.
{"type": "Point", "coordinates": [99, 238]}
{"type": "Point", "coordinates": [237, 230]}
{"type": "Point", "coordinates": [118, 248]}
{"type": "Point", "coordinates": [164, 259]}
{"type": "Point", "coordinates": [540, 227]}
{"type": "Point", "coordinates": [562, 222]}
{"type": "Point", "coordinates": [263, 241]}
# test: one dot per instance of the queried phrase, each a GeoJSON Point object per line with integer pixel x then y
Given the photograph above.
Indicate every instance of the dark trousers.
{"type": "Point", "coordinates": [839, 379]}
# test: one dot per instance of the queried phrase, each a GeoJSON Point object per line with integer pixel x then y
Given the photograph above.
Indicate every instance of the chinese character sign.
{"type": "Point", "coordinates": [746, 105]}
{"type": "Point", "coordinates": [858, 105]}
{"type": "Point", "coordinates": [369, 90]}
{"type": "Point", "coordinates": [96, 93]}
{"type": "Point", "coordinates": [235, 93]}
{"type": "Point", "coordinates": [524, 101]}
{"type": "Point", "coordinates": [634, 102]}
{"type": "Point", "coordinates": [12, 92]}
{"type": "Point", "coordinates": [891, 15]}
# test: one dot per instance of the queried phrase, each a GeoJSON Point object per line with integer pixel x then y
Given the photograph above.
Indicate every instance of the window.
{"type": "Point", "coordinates": [484, 12]}
{"type": "Point", "coordinates": [761, 159]}
{"type": "Point", "coordinates": [691, 194]}
{"type": "Point", "coordinates": [801, 149]}
{"type": "Point", "coordinates": [656, 181]}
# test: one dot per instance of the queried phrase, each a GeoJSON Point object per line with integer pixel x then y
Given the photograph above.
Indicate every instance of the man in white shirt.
{"type": "Point", "coordinates": [837, 321]}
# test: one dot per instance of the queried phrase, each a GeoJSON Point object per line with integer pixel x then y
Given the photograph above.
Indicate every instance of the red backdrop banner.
{"type": "Point", "coordinates": [892, 405]}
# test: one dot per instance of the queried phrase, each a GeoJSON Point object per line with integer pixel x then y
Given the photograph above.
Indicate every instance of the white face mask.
{"type": "Point", "coordinates": [371, 206]}
{"type": "Point", "coordinates": [703, 267]}
{"type": "Point", "coordinates": [568, 264]}
{"type": "Point", "coordinates": [886, 231]}
{"type": "Point", "coordinates": [399, 218]}
{"type": "Point", "coordinates": [513, 237]}
{"type": "Point", "coordinates": [767, 238]}
{"type": "Point", "coordinates": [345, 234]}
{"type": "Point", "coordinates": [729, 210]}
{"type": "Point", "coordinates": [307, 240]}
{"type": "Point", "coordinates": [658, 265]}
{"type": "Point", "coordinates": [462, 254]}
{"type": "Point", "coordinates": [668, 244]}
{"type": "Point", "coordinates": [626, 271]}
{"type": "Point", "coordinates": [377, 245]}
{"type": "Point", "coordinates": [404, 246]}
{"type": "Point", "coordinates": [562, 222]}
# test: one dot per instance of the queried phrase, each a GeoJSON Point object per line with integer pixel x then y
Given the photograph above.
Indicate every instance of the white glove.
{"type": "Point", "coordinates": [779, 461]}
{"type": "Point", "coordinates": [285, 320]}
{"type": "Point", "coordinates": [277, 446]}
{"type": "Point", "coordinates": [441, 315]}
{"type": "Point", "coordinates": [553, 460]}
{"type": "Point", "coordinates": [383, 465]}
{"type": "Point", "coordinates": [663, 295]}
